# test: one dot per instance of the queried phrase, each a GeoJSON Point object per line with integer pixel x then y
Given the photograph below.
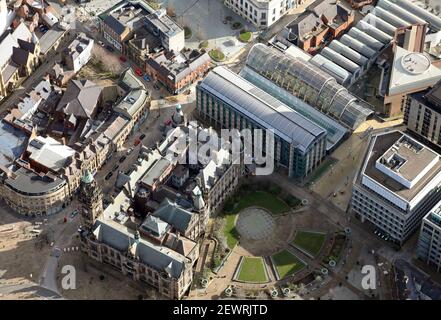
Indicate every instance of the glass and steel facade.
{"type": "Point", "coordinates": [429, 242]}
{"type": "Point", "coordinates": [336, 132]}
{"type": "Point", "coordinates": [308, 83]}
{"type": "Point", "coordinates": [229, 101]}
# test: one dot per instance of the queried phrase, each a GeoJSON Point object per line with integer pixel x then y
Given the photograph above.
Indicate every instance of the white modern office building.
{"type": "Point", "coordinates": [429, 243]}
{"type": "Point", "coordinates": [261, 13]}
{"type": "Point", "coordinates": [397, 185]}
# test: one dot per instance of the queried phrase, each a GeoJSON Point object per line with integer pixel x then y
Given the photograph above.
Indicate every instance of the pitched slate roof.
{"type": "Point", "coordinates": [114, 24]}
{"type": "Point", "coordinates": [80, 99]}
{"type": "Point", "coordinates": [155, 225]}
{"type": "Point", "coordinates": [160, 258]}
{"type": "Point", "coordinates": [173, 214]}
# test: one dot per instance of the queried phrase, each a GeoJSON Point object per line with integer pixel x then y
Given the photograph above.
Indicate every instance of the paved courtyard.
{"type": "Point", "coordinates": [205, 19]}
{"type": "Point", "coordinates": [255, 223]}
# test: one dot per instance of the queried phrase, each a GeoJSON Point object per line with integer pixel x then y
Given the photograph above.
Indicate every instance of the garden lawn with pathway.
{"type": "Point", "coordinates": [252, 269]}
{"type": "Point", "coordinates": [310, 242]}
{"type": "Point", "coordinates": [286, 263]}
{"type": "Point", "coordinates": [262, 199]}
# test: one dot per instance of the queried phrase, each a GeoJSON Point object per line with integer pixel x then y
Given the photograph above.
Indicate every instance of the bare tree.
{"type": "Point", "coordinates": [171, 10]}
{"type": "Point", "coordinates": [200, 34]}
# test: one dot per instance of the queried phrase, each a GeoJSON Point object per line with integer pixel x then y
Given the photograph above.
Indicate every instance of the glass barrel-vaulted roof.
{"type": "Point", "coordinates": [309, 83]}
{"type": "Point", "coordinates": [262, 108]}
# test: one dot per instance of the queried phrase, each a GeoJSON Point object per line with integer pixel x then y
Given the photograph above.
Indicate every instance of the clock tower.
{"type": "Point", "coordinates": [91, 199]}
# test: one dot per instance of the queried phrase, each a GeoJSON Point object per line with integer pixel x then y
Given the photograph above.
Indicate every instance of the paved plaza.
{"type": "Point", "coordinates": [255, 223]}
{"type": "Point", "coordinates": [206, 18]}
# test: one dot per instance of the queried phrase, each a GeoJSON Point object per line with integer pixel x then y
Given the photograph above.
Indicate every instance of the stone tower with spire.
{"type": "Point", "coordinates": [91, 199]}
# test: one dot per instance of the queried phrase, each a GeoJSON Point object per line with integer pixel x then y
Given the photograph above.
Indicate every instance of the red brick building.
{"type": "Point", "coordinates": [178, 72]}
{"type": "Point", "coordinates": [321, 22]}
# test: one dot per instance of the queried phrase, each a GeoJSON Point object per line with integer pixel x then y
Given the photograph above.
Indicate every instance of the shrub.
{"type": "Point", "coordinates": [203, 44]}
{"type": "Point", "coordinates": [275, 190]}
{"type": "Point", "coordinates": [236, 25]}
{"type": "Point", "coordinates": [187, 33]}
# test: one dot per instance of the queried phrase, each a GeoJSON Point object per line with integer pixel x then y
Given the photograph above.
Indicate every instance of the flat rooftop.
{"type": "Point", "coordinates": [414, 165]}
{"type": "Point", "coordinates": [408, 158]}
{"type": "Point", "coordinates": [49, 152]}
{"type": "Point", "coordinates": [30, 183]}
{"type": "Point", "coordinates": [164, 23]}
{"type": "Point", "coordinates": [434, 215]}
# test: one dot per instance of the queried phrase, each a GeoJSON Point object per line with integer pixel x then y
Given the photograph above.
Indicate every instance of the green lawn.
{"type": "Point", "coordinates": [252, 270]}
{"type": "Point", "coordinates": [230, 230]}
{"type": "Point", "coordinates": [203, 44]}
{"type": "Point", "coordinates": [245, 36]}
{"type": "Point", "coordinates": [262, 199]}
{"type": "Point", "coordinates": [311, 242]}
{"type": "Point", "coordinates": [286, 263]}
{"type": "Point", "coordinates": [256, 198]}
{"type": "Point", "coordinates": [216, 55]}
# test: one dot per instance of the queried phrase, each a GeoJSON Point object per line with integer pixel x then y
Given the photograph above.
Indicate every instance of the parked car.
{"type": "Point", "coordinates": [115, 167]}
{"type": "Point", "coordinates": [129, 150]}
{"type": "Point", "coordinates": [43, 29]}
{"type": "Point", "coordinates": [142, 136]}
{"type": "Point", "coordinates": [110, 48]}
{"type": "Point", "coordinates": [122, 58]}
{"type": "Point", "coordinates": [138, 72]}
{"type": "Point", "coordinates": [101, 44]}
{"type": "Point", "coordinates": [156, 86]}
{"type": "Point", "coordinates": [74, 213]}
{"type": "Point", "coordinates": [146, 78]}
{"type": "Point", "coordinates": [121, 160]}
{"type": "Point", "coordinates": [108, 176]}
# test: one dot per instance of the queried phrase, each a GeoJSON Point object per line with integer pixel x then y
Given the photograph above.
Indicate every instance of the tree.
{"type": "Point", "coordinates": [171, 10]}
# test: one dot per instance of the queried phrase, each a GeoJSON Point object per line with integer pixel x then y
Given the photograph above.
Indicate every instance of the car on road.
{"type": "Point", "coordinates": [43, 29]}
{"type": "Point", "coordinates": [122, 58]}
{"type": "Point", "coordinates": [146, 78]}
{"type": "Point", "coordinates": [138, 72]}
{"type": "Point", "coordinates": [110, 48]}
{"type": "Point", "coordinates": [121, 160]}
{"type": "Point", "coordinates": [108, 176]}
{"type": "Point", "coordinates": [142, 136]}
{"type": "Point", "coordinates": [74, 213]}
